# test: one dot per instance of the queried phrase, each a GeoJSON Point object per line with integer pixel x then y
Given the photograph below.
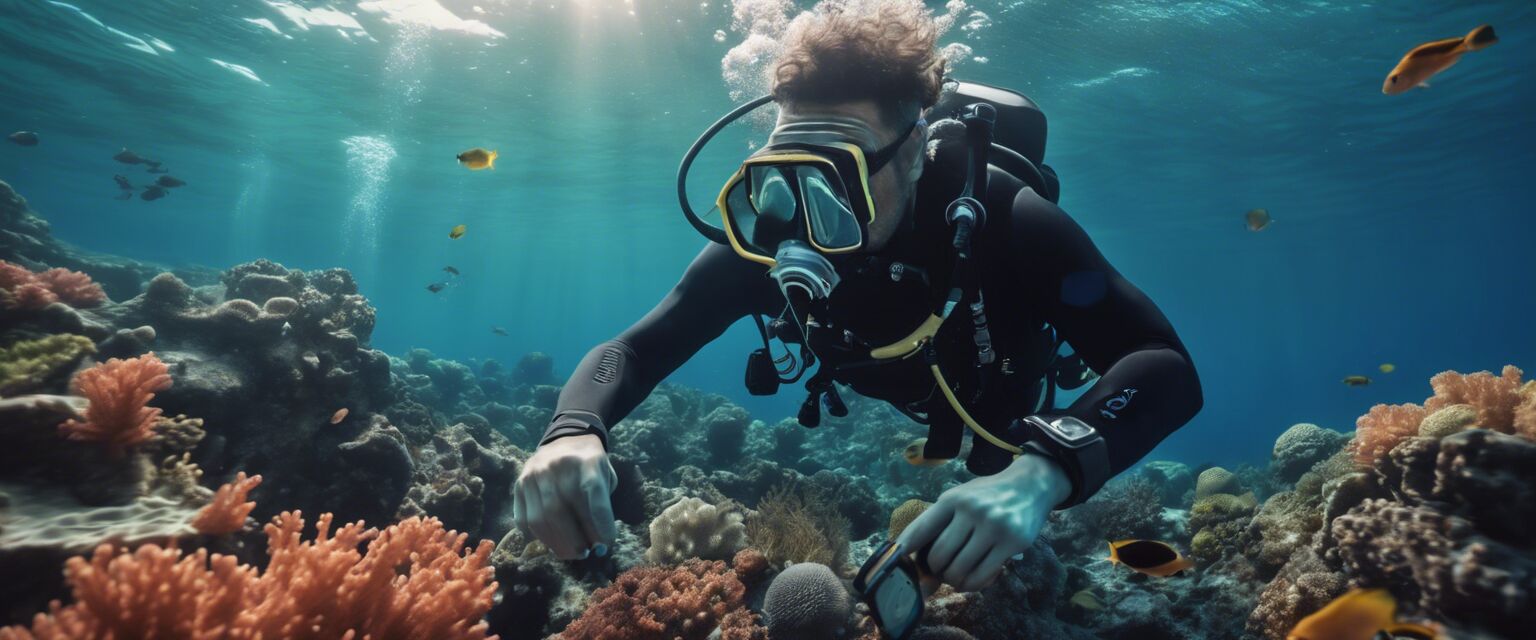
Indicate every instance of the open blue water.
{"type": "Point", "coordinates": [323, 133]}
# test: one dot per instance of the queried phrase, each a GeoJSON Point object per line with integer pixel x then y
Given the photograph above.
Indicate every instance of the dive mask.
{"type": "Point", "coordinates": [809, 184]}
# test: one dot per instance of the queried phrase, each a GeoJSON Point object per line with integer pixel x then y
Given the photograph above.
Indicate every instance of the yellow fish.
{"type": "Point", "coordinates": [477, 158]}
{"type": "Point", "coordinates": [1356, 381]}
{"type": "Point", "coordinates": [914, 455]}
{"type": "Point", "coordinates": [1387, 367]}
{"type": "Point", "coordinates": [457, 232]}
{"type": "Point", "coordinates": [1257, 219]}
{"type": "Point", "coordinates": [1087, 600]}
{"type": "Point", "coordinates": [1153, 558]}
{"type": "Point", "coordinates": [1361, 614]}
{"type": "Point", "coordinates": [1430, 58]}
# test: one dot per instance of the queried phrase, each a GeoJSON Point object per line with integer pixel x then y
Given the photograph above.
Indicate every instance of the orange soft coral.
{"type": "Point", "coordinates": [413, 581]}
{"type": "Point", "coordinates": [1382, 428]}
{"type": "Point", "coordinates": [29, 290]}
{"type": "Point", "coordinates": [226, 513]}
{"type": "Point", "coordinates": [1495, 397]}
{"type": "Point", "coordinates": [118, 391]}
{"type": "Point", "coordinates": [663, 603]}
{"type": "Point", "coordinates": [72, 287]}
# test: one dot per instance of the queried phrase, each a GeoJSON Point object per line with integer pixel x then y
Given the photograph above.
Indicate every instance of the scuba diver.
{"type": "Point", "coordinates": [944, 280]}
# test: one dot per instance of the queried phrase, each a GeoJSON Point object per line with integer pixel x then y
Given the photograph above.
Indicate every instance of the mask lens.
{"type": "Point", "coordinates": [833, 223]}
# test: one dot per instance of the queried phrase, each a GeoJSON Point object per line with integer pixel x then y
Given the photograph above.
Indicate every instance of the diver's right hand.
{"type": "Point", "coordinates": [562, 497]}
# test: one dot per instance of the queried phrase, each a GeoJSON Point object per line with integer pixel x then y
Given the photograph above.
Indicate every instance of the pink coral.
{"type": "Point", "coordinates": [1382, 428]}
{"type": "Point", "coordinates": [1498, 399]}
{"type": "Point", "coordinates": [72, 287]}
{"type": "Point", "coordinates": [413, 581]}
{"type": "Point", "coordinates": [118, 391]}
{"type": "Point", "coordinates": [27, 290]}
{"type": "Point", "coordinates": [226, 513]}
{"type": "Point", "coordinates": [685, 602]}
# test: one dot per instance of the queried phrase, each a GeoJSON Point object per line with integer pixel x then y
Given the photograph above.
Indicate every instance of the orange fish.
{"type": "Point", "coordinates": [1153, 558]}
{"type": "Point", "coordinates": [1431, 58]}
{"type": "Point", "coordinates": [341, 414]}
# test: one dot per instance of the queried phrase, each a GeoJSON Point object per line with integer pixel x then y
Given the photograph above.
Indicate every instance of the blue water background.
{"type": "Point", "coordinates": [1403, 226]}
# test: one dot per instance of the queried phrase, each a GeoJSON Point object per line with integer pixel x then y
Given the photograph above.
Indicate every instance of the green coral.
{"type": "Point", "coordinates": [905, 514]}
{"type": "Point", "coordinates": [28, 365]}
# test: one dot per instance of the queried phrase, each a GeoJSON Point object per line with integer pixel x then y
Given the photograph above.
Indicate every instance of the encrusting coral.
{"type": "Point", "coordinates": [118, 391]}
{"type": "Point", "coordinates": [30, 364]}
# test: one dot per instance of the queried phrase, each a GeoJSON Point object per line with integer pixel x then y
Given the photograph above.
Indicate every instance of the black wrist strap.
{"type": "Point", "coordinates": [575, 422]}
{"type": "Point", "coordinates": [1086, 465]}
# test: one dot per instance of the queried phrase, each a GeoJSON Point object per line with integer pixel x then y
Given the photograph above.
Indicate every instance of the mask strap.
{"type": "Point", "coordinates": [884, 156]}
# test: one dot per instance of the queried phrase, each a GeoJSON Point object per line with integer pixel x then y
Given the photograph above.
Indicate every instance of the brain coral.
{"type": "Point", "coordinates": [1216, 480]}
{"type": "Point", "coordinates": [1302, 446]}
{"type": "Point", "coordinates": [903, 516]}
{"type": "Point", "coordinates": [807, 601]}
{"type": "Point", "coordinates": [693, 528]}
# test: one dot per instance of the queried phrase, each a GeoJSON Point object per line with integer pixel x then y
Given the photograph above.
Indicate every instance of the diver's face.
{"type": "Point", "coordinates": [894, 186]}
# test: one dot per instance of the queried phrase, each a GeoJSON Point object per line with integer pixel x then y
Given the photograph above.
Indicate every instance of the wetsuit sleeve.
{"type": "Point", "coordinates": [1148, 386]}
{"type": "Point", "coordinates": [717, 289]}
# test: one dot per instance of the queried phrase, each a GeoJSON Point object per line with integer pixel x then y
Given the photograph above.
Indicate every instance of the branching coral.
{"type": "Point", "coordinates": [664, 603]}
{"type": "Point", "coordinates": [226, 513]}
{"type": "Point", "coordinates": [412, 581]}
{"type": "Point", "coordinates": [118, 391]}
{"type": "Point", "coordinates": [792, 526]}
{"type": "Point", "coordinates": [29, 290]}
{"type": "Point", "coordinates": [30, 364]}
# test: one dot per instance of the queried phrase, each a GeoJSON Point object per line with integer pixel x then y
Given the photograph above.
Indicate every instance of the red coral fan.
{"type": "Point", "coordinates": [1382, 428]}
{"type": "Point", "coordinates": [685, 602]}
{"type": "Point", "coordinates": [118, 391]}
{"type": "Point", "coordinates": [411, 582]}
{"type": "Point", "coordinates": [226, 513]}
{"type": "Point", "coordinates": [1496, 398]}
{"type": "Point", "coordinates": [29, 290]}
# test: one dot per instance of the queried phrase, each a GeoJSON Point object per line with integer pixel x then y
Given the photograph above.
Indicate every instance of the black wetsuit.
{"type": "Point", "coordinates": [1038, 270]}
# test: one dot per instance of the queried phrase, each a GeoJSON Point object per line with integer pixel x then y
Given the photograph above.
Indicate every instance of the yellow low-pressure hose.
{"type": "Point", "coordinates": [965, 416]}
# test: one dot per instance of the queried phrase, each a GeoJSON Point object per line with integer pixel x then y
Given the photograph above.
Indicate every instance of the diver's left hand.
{"type": "Point", "coordinates": [976, 527]}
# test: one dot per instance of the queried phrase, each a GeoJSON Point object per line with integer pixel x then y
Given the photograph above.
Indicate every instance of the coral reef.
{"type": "Point", "coordinates": [904, 515]}
{"type": "Point", "coordinates": [657, 603]}
{"type": "Point", "coordinates": [31, 365]}
{"type": "Point", "coordinates": [1300, 448]}
{"type": "Point", "coordinates": [410, 582]}
{"type": "Point", "coordinates": [21, 289]}
{"type": "Point", "coordinates": [1219, 520]}
{"type": "Point", "coordinates": [807, 600]}
{"type": "Point", "coordinates": [226, 513]}
{"type": "Point", "coordinates": [1217, 480]}
{"type": "Point", "coordinates": [793, 525]}
{"type": "Point", "coordinates": [1502, 403]}
{"type": "Point", "coordinates": [119, 391]}
{"type": "Point", "coordinates": [692, 528]}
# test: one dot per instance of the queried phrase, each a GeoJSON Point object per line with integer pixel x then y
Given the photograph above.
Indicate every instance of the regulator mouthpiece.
{"type": "Point", "coordinates": [802, 272]}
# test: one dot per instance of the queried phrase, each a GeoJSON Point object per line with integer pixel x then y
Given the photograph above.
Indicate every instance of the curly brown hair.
{"type": "Point", "coordinates": [843, 50]}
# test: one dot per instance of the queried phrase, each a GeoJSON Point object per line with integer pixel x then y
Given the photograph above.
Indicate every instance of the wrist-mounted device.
{"type": "Point", "coordinates": [1073, 444]}
{"type": "Point", "coordinates": [575, 423]}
